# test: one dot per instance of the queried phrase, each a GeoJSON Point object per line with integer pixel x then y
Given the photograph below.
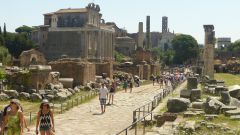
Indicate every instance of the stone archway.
{"type": "Point", "coordinates": [33, 61]}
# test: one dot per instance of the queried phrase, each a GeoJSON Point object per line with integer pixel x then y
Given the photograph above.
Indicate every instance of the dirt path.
{"type": "Point", "coordinates": [86, 119]}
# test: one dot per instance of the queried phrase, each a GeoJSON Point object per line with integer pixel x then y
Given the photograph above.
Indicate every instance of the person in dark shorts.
{"type": "Point", "coordinates": [112, 92]}
{"type": "Point", "coordinates": [130, 85]}
{"type": "Point", "coordinates": [103, 91]}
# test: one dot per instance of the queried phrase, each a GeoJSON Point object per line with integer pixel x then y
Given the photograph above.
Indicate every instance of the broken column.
{"type": "Point", "coordinates": [209, 51]}
{"type": "Point", "coordinates": [148, 34]}
{"type": "Point", "coordinates": [140, 35]}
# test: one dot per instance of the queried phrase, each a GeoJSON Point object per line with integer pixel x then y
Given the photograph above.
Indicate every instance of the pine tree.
{"type": "Point", "coordinates": [4, 30]}
{"type": "Point", "coordinates": [0, 30]}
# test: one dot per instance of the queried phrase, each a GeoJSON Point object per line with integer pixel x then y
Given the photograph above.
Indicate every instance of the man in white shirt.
{"type": "Point", "coordinates": [103, 97]}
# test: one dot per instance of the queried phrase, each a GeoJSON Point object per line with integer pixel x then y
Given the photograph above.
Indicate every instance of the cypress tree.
{"type": "Point", "coordinates": [4, 30]}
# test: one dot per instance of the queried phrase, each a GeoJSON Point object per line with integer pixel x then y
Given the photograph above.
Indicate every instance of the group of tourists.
{"type": "Point", "coordinates": [14, 121]}
{"type": "Point", "coordinates": [168, 80]}
{"type": "Point", "coordinates": [108, 89]}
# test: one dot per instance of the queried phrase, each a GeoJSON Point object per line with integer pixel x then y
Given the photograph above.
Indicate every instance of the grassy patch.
{"type": "Point", "coordinates": [229, 79]}
{"type": "Point", "coordinates": [220, 120]}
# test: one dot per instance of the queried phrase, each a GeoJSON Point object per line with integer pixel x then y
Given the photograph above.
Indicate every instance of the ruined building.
{"type": "Point", "coordinates": [123, 43]}
{"type": "Point", "coordinates": [75, 33]}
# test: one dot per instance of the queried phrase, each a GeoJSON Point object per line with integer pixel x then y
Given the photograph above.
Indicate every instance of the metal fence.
{"type": "Point", "coordinates": [63, 106]}
{"type": "Point", "coordinates": [143, 114]}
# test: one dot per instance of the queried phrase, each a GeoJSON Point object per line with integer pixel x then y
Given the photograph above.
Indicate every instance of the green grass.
{"type": "Point", "coordinates": [220, 120]}
{"type": "Point", "coordinates": [229, 79]}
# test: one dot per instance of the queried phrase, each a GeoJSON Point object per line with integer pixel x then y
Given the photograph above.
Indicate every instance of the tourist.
{"type": "Point", "coordinates": [161, 82]}
{"type": "Point", "coordinates": [112, 92]}
{"type": "Point", "coordinates": [103, 97]}
{"type": "Point", "coordinates": [130, 85]}
{"type": "Point", "coordinates": [153, 79]}
{"type": "Point", "coordinates": [158, 79]}
{"type": "Point", "coordinates": [45, 119]}
{"type": "Point", "coordinates": [13, 119]}
{"type": "Point", "coordinates": [125, 85]}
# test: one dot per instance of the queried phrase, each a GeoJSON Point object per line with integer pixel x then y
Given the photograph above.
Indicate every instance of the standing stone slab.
{"type": "Point", "coordinates": [225, 97]}
{"type": "Point", "coordinates": [192, 83]}
{"type": "Point", "coordinates": [195, 94]}
{"type": "Point", "coordinates": [185, 93]}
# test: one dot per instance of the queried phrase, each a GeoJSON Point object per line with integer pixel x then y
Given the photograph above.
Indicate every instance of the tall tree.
{"type": "Point", "coordinates": [185, 48]}
{"type": "Point", "coordinates": [4, 30]}
{"type": "Point", "coordinates": [0, 30]}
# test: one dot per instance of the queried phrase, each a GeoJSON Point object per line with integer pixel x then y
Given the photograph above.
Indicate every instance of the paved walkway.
{"type": "Point", "coordinates": [86, 119]}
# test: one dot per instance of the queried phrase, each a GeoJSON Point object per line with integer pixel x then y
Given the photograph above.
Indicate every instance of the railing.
{"type": "Point", "coordinates": [138, 124]}
{"type": "Point", "coordinates": [146, 111]}
{"type": "Point", "coordinates": [63, 106]}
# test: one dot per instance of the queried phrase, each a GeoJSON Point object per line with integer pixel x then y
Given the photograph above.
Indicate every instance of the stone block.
{"type": "Point", "coordinates": [195, 94]}
{"type": "Point", "coordinates": [192, 83]}
{"type": "Point", "coordinates": [232, 112]}
{"type": "Point", "coordinates": [228, 108]}
{"type": "Point", "coordinates": [185, 93]}
{"type": "Point", "coordinates": [197, 105]}
{"type": "Point", "coordinates": [67, 82]}
{"type": "Point", "coordinates": [176, 105]}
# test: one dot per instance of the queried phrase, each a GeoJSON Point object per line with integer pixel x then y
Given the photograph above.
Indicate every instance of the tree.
{"type": "Point", "coordinates": [2, 41]}
{"type": "Point", "coordinates": [119, 57]}
{"type": "Point", "coordinates": [0, 30]}
{"type": "Point", "coordinates": [4, 30]}
{"type": "Point", "coordinates": [24, 29]}
{"type": "Point", "coordinates": [17, 43]}
{"type": "Point", "coordinates": [185, 48]}
{"type": "Point", "coordinates": [234, 46]}
{"type": "Point", "coordinates": [5, 56]}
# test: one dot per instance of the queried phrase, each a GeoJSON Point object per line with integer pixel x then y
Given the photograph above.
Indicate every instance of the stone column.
{"type": "Point", "coordinates": [148, 34]}
{"type": "Point", "coordinates": [140, 35]}
{"type": "Point", "coordinates": [208, 56]}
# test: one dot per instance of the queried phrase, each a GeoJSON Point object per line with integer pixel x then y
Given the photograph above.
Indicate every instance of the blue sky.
{"type": "Point", "coordinates": [185, 16]}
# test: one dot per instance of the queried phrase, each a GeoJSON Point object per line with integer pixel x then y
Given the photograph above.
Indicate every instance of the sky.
{"type": "Point", "coordinates": [184, 16]}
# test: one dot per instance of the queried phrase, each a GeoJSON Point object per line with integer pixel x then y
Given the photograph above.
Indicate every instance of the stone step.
{"type": "Point", "coordinates": [227, 108]}
{"type": "Point", "coordinates": [232, 112]}
{"type": "Point", "coordinates": [235, 117]}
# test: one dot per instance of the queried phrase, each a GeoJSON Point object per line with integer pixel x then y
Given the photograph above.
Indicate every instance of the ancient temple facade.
{"type": "Point", "coordinates": [75, 33]}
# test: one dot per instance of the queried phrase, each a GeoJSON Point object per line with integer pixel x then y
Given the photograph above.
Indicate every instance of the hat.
{"type": "Point", "coordinates": [16, 101]}
{"type": "Point", "coordinates": [45, 101]}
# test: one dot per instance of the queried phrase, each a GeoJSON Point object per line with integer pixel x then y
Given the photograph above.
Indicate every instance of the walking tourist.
{"type": "Point", "coordinates": [125, 85]}
{"type": "Point", "coordinates": [103, 97]}
{"type": "Point", "coordinates": [45, 119]}
{"type": "Point", "coordinates": [13, 119]}
{"type": "Point", "coordinates": [130, 85]}
{"type": "Point", "coordinates": [112, 92]}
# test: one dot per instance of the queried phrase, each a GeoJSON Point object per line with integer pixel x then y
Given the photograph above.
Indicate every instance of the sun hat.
{"type": "Point", "coordinates": [45, 101]}
{"type": "Point", "coordinates": [16, 101]}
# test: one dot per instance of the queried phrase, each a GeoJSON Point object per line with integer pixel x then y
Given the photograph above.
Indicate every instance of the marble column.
{"type": "Point", "coordinates": [208, 57]}
{"type": "Point", "coordinates": [140, 35]}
